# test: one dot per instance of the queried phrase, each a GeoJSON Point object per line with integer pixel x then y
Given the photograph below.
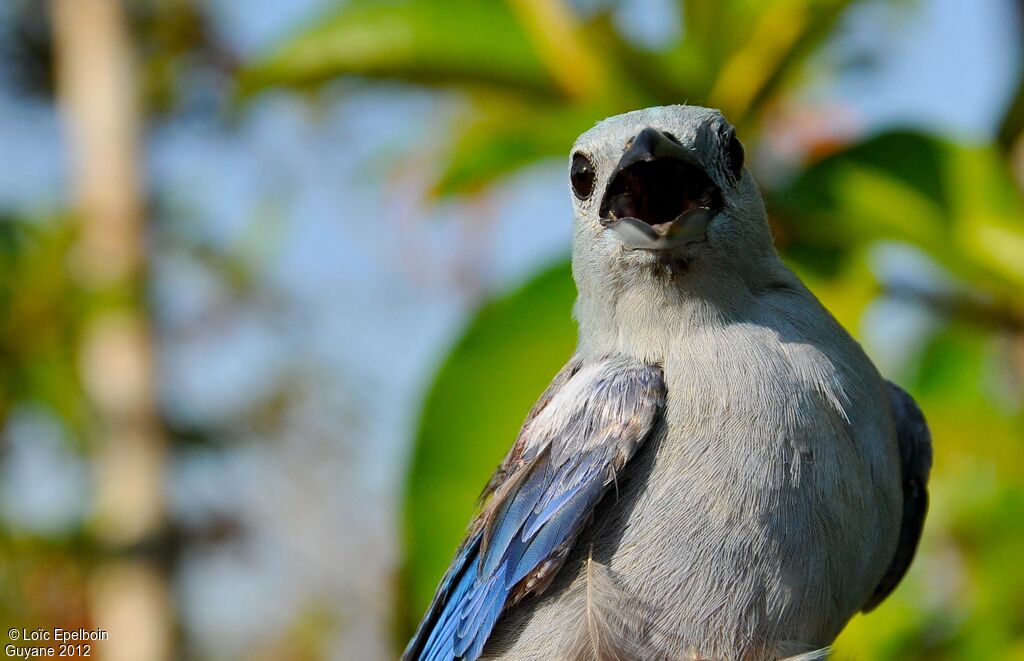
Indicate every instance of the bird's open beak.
{"type": "Point", "coordinates": [659, 197]}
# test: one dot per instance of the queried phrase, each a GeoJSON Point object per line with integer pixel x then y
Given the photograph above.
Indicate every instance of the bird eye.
{"type": "Point", "coordinates": [582, 176]}
{"type": "Point", "coordinates": [734, 155]}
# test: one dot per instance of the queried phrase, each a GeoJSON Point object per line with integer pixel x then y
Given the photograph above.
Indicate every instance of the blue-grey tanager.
{"type": "Point", "coordinates": [719, 472]}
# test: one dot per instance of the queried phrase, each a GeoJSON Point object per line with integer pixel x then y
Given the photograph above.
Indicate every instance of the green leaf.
{"type": "Point", "coordinates": [955, 202]}
{"type": "Point", "coordinates": [472, 415]}
{"type": "Point", "coordinates": [498, 143]}
{"type": "Point", "coordinates": [445, 43]}
{"type": "Point", "coordinates": [781, 35]}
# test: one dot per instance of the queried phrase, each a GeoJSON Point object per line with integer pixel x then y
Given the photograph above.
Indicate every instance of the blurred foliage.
{"type": "Point", "coordinates": [41, 314]}
{"type": "Point", "coordinates": [41, 311]}
{"type": "Point", "coordinates": [175, 37]}
{"type": "Point", "coordinates": [959, 204]}
{"type": "Point", "coordinates": [45, 306]}
{"type": "Point", "coordinates": [42, 581]}
{"type": "Point", "coordinates": [428, 42]}
{"type": "Point", "coordinates": [535, 74]}
{"type": "Point", "coordinates": [26, 47]}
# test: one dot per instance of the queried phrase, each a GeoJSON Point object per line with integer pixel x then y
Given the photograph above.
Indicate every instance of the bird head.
{"type": "Point", "coordinates": [664, 184]}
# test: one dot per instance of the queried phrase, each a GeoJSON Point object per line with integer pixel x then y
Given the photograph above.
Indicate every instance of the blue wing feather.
{"type": "Point", "coordinates": [555, 498]}
{"type": "Point", "coordinates": [555, 531]}
{"type": "Point", "coordinates": [510, 520]}
{"type": "Point", "coordinates": [484, 630]}
{"type": "Point", "coordinates": [439, 642]}
{"type": "Point", "coordinates": [559, 469]}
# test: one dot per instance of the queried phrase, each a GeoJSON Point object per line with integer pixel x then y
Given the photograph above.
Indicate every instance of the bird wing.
{"type": "Point", "coordinates": [586, 426]}
{"type": "Point", "coordinates": [915, 445]}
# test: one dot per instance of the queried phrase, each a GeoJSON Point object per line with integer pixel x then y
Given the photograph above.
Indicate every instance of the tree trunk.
{"type": "Point", "coordinates": [98, 98]}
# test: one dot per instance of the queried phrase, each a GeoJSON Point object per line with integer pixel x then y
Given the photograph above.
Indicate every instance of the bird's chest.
{"type": "Point", "coordinates": [743, 400]}
{"type": "Point", "coordinates": [755, 481]}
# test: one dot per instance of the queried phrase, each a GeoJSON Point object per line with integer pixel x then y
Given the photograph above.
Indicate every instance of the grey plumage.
{"type": "Point", "coordinates": [763, 483]}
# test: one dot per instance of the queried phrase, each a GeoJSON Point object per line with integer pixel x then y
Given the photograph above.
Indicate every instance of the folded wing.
{"type": "Point", "coordinates": [915, 444]}
{"type": "Point", "coordinates": [585, 428]}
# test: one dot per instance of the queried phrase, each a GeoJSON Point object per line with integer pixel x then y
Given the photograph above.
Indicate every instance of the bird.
{"type": "Point", "coordinates": [719, 471]}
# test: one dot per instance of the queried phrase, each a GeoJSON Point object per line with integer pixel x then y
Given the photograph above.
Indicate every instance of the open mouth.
{"type": "Point", "coordinates": [658, 192]}
{"type": "Point", "coordinates": [659, 197]}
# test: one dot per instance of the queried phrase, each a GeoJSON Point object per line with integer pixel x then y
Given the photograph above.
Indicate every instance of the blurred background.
{"type": "Point", "coordinates": [279, 280]}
